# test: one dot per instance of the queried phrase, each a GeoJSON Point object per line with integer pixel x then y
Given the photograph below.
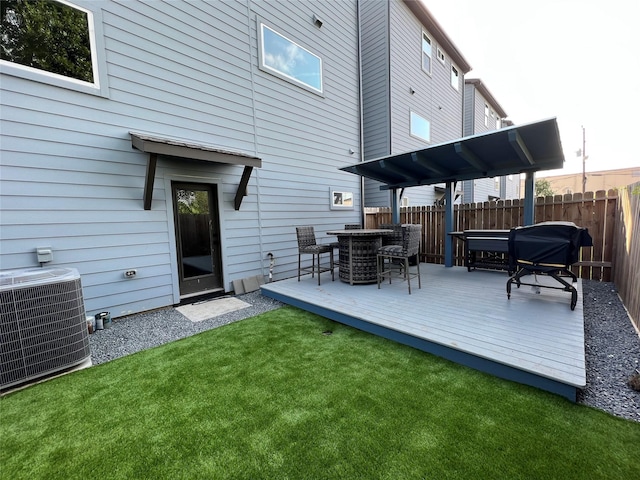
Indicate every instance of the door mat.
{"type": "Point", "coordinates": [199, 311]}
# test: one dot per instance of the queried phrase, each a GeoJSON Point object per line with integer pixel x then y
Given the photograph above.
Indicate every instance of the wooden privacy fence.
{"type": "Point", "coordinates": [626, 258]}
{"type": "Point", "coordinates": [609, 216]}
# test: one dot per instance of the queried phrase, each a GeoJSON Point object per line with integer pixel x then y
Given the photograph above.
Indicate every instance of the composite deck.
{"type": "Point", "coordinates": [534, 339]}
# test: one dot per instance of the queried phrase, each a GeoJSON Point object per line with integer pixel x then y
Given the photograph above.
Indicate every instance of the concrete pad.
{"type": "Point", "coordinates": [197, 312]}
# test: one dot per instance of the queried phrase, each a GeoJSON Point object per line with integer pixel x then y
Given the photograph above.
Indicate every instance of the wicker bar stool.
{"type": "Point", "coordinates": [394, 259]}
{"type": "Point", "coordinates": [307, 245]}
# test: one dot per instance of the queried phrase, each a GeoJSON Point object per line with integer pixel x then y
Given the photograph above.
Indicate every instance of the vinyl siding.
{"type": "Point", "coordinates": [470, 109]}
{"type": "Point", "coordinates": [375, 91]}
{"type": "Point", "coordinates": [434, 98]}
{"type": "Point", "coordinates": [70, 179]}
{"type": "Point", "coordinates": [480, 189]}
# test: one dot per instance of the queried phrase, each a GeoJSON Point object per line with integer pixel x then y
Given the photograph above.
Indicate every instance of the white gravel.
{"type": "Point", "coordinates": [612, 346]}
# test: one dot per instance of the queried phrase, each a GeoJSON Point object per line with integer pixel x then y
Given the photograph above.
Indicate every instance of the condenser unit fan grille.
{"type": "Point", "coordinates": [43, 327]}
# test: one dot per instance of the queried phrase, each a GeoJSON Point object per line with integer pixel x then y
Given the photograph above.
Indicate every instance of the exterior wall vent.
{"type": "Point", "coordinates": [43, 327]}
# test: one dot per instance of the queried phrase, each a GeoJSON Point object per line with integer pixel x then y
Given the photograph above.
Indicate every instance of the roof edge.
{"type": "Point", "coordinates": [482, 88]}
{"type": "Point", "coordinates": [427, 19]}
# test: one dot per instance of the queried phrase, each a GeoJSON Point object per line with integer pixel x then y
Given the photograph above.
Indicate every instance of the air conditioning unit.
{"type": "Point", "coordinates": [43, 326]}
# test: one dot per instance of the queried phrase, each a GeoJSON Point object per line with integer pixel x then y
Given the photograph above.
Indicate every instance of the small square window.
{"type": "Point", "coordinates": [455, 78]}
{"type": "Point", "coordinates": [420, 127]}
{"type": "Point", "coordinates": [440, 55]}
{"type": "Point", "coordinates": [426, 53]}
{"type": "Point", "coordinates": [288, 60]}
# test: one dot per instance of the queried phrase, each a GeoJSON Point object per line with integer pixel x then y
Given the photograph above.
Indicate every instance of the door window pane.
{"type": "Point", "coordinates": [194, 219]}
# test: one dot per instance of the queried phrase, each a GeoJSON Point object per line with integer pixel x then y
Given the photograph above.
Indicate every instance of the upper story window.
{"type": "Point", "coordinates": [497, 122]}
{"type": "Point", "coordinates": [426, 53]}
{"type": "Point", "coordinates": [455, 77]}
{"type": "Point", "coordinates": [288, 60]}
{"type": "Point", "coordinates": [486, 115]}
{"type": "Point", "coordinates": [440, 55]}
{"type": "Point", "coordinates": [50, 36]}
{"type": "Point", "coordinates": [420, 127]}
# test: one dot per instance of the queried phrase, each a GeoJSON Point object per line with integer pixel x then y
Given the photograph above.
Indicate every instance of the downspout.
{"type": "Point", "coordinates": [363, 217]}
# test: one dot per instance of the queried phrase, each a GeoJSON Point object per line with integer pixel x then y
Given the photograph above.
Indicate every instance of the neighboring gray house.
{"type": "Point", "coordinates": [140, 161]}
{"type": "Point", "coordinates": [412, 84]}
{"type": "Point", "coordinates": [483, 113]}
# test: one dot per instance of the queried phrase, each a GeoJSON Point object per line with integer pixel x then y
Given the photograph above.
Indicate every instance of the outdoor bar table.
{"type": "Point", "coordinates": [358, 253]}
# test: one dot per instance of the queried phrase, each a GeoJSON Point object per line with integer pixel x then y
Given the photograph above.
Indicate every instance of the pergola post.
{"type": "Point", "coordinates": [448, 224]}
{"type": "Point", "coordinates": [529, 199]}
{"type": "Point", "coordinates": [395, 206]}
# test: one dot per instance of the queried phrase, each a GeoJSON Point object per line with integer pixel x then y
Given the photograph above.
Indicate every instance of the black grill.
{"type": "Point", "coordinates": [548, 248]}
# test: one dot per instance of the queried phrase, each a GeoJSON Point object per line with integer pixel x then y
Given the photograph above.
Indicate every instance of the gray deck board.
{"type": "Point", "coordinates": [466, 312]}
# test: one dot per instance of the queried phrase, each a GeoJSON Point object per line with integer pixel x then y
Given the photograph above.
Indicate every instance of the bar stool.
{"type": "Point", "coordinates": [307, 245]}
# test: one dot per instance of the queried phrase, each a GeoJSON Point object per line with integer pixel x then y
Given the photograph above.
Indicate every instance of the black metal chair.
{"type": "Point", "coordinates": [307, 245]}
{"type": "Point", "coordinates": [394, 259]}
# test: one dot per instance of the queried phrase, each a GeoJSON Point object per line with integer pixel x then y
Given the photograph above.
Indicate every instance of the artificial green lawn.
{"type": "Point", "coordinates": [272, 397]}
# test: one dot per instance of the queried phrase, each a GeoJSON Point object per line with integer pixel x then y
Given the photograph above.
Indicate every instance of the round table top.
{"type": "Point", "coordinates": [360, 232]}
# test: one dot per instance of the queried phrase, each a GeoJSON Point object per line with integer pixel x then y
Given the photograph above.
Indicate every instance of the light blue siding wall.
{"type": "Point", "coordinates": [434, 98]}
{"type": "Point", "coordinates": [70, 179]}
{"type": "Point", "coordinates": [375, 91]}
{"type": "Point", "coordinates": [470, 109]}
{"type": "Point", "coordinates": [480, 189]}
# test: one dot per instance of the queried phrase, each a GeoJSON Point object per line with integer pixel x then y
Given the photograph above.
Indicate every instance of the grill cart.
{"type": "Point", "coordinates": [548, 248]}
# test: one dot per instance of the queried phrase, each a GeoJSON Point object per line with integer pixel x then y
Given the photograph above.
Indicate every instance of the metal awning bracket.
{"type": "Point", "coordinates": [156, 145]}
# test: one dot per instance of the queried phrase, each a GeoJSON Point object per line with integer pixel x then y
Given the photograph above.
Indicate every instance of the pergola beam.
{"type": "Point", "coordinates": [520, 147]}
{"type": "Point", "coordinates": [471, 158]}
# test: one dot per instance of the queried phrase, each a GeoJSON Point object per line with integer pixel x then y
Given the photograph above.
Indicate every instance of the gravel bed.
{"type": "Point", "coordinates": [138, 332]}
{"type": "Point", "coordinates": [612, 346]}
{"type": "Point", "coordinates": [612, 352]}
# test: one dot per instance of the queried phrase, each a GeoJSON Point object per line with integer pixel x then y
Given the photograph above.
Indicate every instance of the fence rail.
{"type": "Point", "coordinates": [612, 219]}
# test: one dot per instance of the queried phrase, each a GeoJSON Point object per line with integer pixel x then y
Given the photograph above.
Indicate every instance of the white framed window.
{"type": "Point", "coordinates": [54, 42]}
{"type": "Point", "coordinates": [285, 59]}
{"type": "Point", "coordinates": [420, 127]}
{"type": "Point", "coordinates": [496, 184]}
{"type": "Point", "coordinates": [440, 55]}
{"type": "Point", "coordinates": [455, 77]}
{"type": "Point", "coordinates": [487, 112]}
{"type": "Point", "coordinates": [426, 53]}
{"type": "Point", "coordinates": [404, 202]}
{"type": "Point", "coordinates": [497, 122]}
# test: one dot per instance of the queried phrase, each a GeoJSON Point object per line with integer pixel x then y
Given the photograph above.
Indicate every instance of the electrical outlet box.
{"type": "Point", "coordinates": [45, 254]}
{"type": "Point", "coordinates": [130, 273]}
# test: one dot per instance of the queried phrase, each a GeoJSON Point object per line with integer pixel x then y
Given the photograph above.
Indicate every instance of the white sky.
{"type": "Point", "coordinates": [577, 60]}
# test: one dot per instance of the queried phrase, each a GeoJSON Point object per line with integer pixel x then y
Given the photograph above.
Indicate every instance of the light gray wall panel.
{"type": "Point", "coordinates": [375, 87]}
{"type": "Point", "coordinates": [70, 178]}
{"type": "Point", "coordinates": [433, 98]}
